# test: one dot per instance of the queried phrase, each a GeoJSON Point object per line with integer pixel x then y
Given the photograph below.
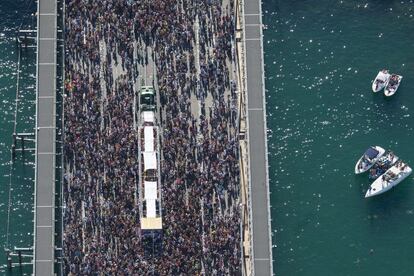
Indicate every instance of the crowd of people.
{"type": "Point", "coordinates": [192, 42]}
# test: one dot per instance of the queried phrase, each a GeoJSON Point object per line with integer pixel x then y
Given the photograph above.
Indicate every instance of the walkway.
{"type": "Point", "coordinates": [44, 242]}
{"type": "Point", "coordinates": [256, 109]}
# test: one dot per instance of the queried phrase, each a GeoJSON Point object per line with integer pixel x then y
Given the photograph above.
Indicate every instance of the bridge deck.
{"type": "Point", "coordinates": [256, 109]}
{"type": "Point", "coordinates": [45, 139]}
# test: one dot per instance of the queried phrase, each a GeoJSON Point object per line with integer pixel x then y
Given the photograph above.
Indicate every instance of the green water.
{"type": "Point", "coordinates": [13, 14]}
{"type": "Point", "coordinates": [321, 57]}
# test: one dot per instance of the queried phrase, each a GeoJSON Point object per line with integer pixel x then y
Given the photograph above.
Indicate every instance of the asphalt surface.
{"type": "Point", "coordinates": [45, 139]}
{"type": "Point", "coordinates": [256, 111]}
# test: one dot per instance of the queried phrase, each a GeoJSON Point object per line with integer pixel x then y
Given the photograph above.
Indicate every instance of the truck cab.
{"type": "Point", "coordinates": [147, 98]}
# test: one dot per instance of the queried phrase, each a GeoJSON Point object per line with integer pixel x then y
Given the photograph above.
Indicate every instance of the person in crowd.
{"type": "Point", "coordinates": [192, 44]}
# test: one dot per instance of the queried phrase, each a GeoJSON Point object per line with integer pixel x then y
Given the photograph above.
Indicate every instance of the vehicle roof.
{"type": "Point", "coordinates": [147, 90]}
{"type": "Point", "coordinates": [148, 116]}
{"type": "Point", "coordinates": [149, 138]}
{"type": "Point", "coordinates": [150, 160]}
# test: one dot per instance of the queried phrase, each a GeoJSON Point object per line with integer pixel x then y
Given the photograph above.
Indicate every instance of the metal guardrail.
{"type": "Point", "coordinates": [44, 230]}
{"type": "Point", "coordinates": [246, 240]}
{"type": "Point", "coordinates": [258, 178]}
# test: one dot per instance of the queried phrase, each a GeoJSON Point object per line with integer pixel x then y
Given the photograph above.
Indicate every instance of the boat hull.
{"type": "Point", "coordinates": [388, 91]}
{"type": "Point", "coordinates": [380, 186]}
{"type": "Point", "coordinates": [382, 166]}
{"type": "Point", "coordinates": [378, 86]}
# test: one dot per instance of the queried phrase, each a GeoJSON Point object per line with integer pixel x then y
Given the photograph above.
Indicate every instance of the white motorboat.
{"type": "Point", "coordinates": [392, 177]}
{"type": "Point", "coordinates": [383, 164]}
{"type": "Point", "coordinates": [368, 159]}
{"type": "Point", "coordinates": [392, 85]}
{"type": "Point", "coordinates": [380, 81]}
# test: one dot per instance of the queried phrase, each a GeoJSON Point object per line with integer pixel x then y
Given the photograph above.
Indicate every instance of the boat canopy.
{"type": "Point", "coordinates": [371, 153]}
{"type": "Point", "coordinates": [150, 160]}
{"type": "Point", "coordinates": [150, 190]}
{"type": "Point", "coordinates": [149, 138]}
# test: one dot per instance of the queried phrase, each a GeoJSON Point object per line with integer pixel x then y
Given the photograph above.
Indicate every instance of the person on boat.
{"type": "Point", "coordinates": [392, 175]}
{"type": "Point", "coordinates": [380, 171]}
{"type": "Point", "coordinates": [398, 164]}
{"type": "Point", "coordinates": [391, 156]}
{"type": "Point", "coordinates": [372, 173]}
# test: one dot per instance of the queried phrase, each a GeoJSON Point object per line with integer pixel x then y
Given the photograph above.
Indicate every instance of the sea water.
{"type": "Point", "coordinates": [16, 181]}
{"type": "Point", "coordinates": [320, 60]}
